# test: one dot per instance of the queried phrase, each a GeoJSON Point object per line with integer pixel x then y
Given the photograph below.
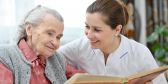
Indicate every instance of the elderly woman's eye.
{"type": "Point", "coordinates": [49, 34]}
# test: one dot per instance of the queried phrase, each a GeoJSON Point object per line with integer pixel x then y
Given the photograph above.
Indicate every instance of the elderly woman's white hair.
{"type": "Point", "coordinates": [34, 17]}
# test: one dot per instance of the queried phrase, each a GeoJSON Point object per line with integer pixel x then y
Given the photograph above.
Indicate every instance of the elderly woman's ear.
{"type": "Point", "coordinates": [29, 29]}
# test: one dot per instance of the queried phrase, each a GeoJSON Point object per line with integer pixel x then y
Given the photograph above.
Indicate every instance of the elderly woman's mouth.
{"type": "Point", "coordinates": [50, 48]}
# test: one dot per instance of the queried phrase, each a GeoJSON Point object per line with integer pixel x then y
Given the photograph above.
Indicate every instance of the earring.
{"type": "Point", "coordinates": [116, 34]}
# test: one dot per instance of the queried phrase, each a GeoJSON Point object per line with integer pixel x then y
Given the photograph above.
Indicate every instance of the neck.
{"type": "Point", "coordinates": [112, 47]}
{"type": "Point", "coordinates": [29, 43]}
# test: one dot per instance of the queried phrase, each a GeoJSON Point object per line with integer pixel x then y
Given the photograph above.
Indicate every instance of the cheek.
{"type": "Point", "coordinates": [57, 46]}
{"type": "Point", "coordinates": [106, 36]}
{"type": "Point", "coordinates": [46, 41]}
{"type": "Point", "coordinates": [36, 36]}
{"type": "Point", "coordinates": [86, 31]}
{"type": "Point", "coordinates": [42, 45]}
{"type": "Point", "coordinates": [110, 38]}
{"type": "Point", "coordinates": [43, 41]}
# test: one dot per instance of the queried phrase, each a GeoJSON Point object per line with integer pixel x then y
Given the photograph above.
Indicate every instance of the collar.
{"type": "Point", "coordinates": [27, 52]}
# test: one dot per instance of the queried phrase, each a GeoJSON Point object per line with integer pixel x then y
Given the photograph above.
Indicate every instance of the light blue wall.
{"type": "Point", "coordinates": [11, 13]}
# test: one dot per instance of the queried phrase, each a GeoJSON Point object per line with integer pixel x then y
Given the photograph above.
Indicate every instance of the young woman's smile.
{"type": "Point", "coordinates": [100, 34]}
{"type": "Point", "coordinates": [94, 42]}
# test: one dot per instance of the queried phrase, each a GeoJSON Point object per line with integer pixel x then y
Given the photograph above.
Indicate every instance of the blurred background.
{"type": "Point", "coordinates": [147, 25]}
{"type": "Point", "coordinates": [13, 11]}
{"type": "Point", "coordinates": [73, 12]}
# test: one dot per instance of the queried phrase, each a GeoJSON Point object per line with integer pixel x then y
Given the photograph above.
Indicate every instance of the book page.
{"type": "Point", "coordinates": [138, 75]}
{"type": "Point", "coordinates": [145, 76]}
{"type": "Point", "coordinates": [139, 78]}
{"type": "Point", "coordinates": [87, 78]}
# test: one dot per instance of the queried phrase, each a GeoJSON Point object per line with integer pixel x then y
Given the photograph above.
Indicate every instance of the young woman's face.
{"type": "Point", "coordinates": [100, 34]}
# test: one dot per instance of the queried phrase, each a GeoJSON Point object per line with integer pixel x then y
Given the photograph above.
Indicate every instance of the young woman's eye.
{"type": "Point", "coordinates": [97, 30]}
{"type": "Point", "coordinates": [58, 38]}
{"type": "Point", "coordinates": [87, 26]}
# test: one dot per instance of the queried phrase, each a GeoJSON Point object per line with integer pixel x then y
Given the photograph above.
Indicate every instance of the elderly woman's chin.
{"type": "Point", "coordinates": [45, 54]}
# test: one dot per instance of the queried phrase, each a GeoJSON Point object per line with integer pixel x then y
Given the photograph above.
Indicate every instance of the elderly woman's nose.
{"type": "Point", "coordinates": [55, 42]}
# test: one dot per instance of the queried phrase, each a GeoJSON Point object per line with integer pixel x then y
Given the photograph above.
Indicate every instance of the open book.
{"type": "Point", "coordinates": [139, 78]}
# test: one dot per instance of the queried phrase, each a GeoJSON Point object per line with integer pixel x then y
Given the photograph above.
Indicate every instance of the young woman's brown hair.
{"type": "Point", "coordinates": [114, 13]}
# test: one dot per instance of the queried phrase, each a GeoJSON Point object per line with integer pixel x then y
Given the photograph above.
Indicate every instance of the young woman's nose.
{"type": "Point", "coordinates": [90, 34]}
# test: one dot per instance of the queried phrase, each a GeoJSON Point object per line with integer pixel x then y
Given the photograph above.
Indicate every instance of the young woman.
{"type": "Point", "coordinates": [104, 50]}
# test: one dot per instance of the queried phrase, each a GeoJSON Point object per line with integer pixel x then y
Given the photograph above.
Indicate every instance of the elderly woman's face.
{"type": "Point", "coordinates": [44, 39]}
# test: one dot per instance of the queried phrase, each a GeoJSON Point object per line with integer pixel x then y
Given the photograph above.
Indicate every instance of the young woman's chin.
{"type": "Point", "coordinates": [94, 47]}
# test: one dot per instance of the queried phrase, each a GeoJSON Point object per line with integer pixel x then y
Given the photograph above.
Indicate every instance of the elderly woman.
{"type": "Point", "coordinates": [34, 59]}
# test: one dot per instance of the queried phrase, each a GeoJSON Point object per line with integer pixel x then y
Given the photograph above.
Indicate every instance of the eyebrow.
{"type": "Point", "coordinates": [93, 26]}
{"type": "Point", "coordinates": [51, 30]}
{"type": "Point", "coordinates": [86, 23]}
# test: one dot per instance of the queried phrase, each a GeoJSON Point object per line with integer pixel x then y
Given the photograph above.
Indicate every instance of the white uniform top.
{"type": "Point", "coordinates": [129, 58]}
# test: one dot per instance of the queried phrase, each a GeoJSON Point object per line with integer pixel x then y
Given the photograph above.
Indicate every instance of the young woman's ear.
{"type": "Point", "coordinates": [118, 29]}
{"type": "Point", "coordinates": [29, 29]}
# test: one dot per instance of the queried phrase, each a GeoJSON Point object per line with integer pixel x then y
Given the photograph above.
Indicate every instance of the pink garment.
{"type": "Point", "coordinates": [6, 76]}
{"type": "Point", "coordinates": [38, 65]}
{"type": "Point", "coordinates": [70, 71]}
{"type": "Point", "coordinates": [37, 68]}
